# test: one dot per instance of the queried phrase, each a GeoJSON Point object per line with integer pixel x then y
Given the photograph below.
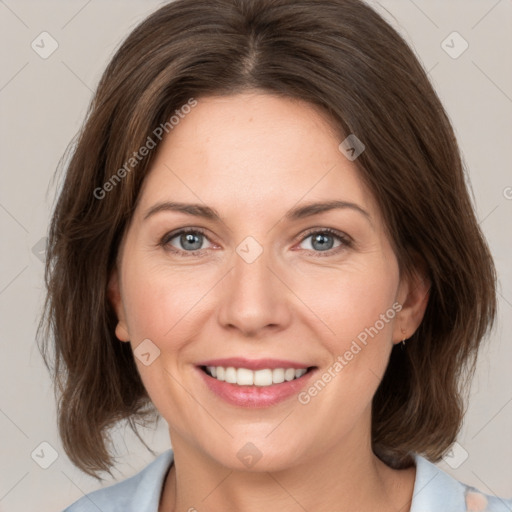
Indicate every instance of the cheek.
{"type": "Point", "coordinates": [353, 299]}
{"type": "Point", "coordinates": [160, 303]}
{"type": "Point", "coordinates": [162, 306]}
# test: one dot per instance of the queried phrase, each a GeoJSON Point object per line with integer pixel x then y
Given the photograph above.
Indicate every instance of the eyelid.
{"type": "Point", "coordinates": [165, 240]}
{"type": "Point", "coordinates": [331, 231]}
{"type": "Point", "coordinates": [346, 240]}
{"type": "Point", "coordinates": [180, 231]}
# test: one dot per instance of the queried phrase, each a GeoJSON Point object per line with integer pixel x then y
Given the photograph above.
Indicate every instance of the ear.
{"type": "Point", "coordinates": [114, 296]}
{"type": "Point", "coordinates": [413, 294]}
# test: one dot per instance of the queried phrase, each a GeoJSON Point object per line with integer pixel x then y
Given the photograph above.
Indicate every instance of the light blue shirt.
{"type": "Point", "coordinates": [434, 491]}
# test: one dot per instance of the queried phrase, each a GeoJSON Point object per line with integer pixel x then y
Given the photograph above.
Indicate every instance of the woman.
{"type": "Point", "coordinates": [308, 349]}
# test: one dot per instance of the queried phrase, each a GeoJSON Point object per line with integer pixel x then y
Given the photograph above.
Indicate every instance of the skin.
{"type": "Point", "coordinates": [253, 157]}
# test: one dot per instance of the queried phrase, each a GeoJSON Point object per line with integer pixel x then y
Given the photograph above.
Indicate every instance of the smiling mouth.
{"type": "Point", "coordinates": [262, 378]}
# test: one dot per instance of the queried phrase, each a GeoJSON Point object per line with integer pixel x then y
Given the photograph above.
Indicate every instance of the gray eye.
{"type": "Point", "coordinates": [322, 241]}
{"type": "Point", "coordinates": [186, 241]}
{"type": "Point", "coordinates": [191, 241]}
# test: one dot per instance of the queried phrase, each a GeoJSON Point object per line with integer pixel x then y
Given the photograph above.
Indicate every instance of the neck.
{"type": "Point", "coordinates": [341, 479]}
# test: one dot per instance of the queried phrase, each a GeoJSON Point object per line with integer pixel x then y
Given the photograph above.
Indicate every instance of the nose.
{"type": "Point", "coordinates": [255, 298]}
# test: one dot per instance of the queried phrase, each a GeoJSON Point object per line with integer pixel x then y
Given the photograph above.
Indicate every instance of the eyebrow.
{"type": "Point", "coordinates": [299, 212]}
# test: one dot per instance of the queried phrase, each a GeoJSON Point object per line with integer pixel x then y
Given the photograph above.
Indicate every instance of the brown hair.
{"type": "Point", "coordinates": [343, 57]}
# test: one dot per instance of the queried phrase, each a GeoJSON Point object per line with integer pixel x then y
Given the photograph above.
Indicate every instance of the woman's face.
{"type": "Point", "coordinates": [260, 284]}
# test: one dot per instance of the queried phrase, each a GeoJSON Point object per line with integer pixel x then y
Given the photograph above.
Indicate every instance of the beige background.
{"type": "Point", "coordinates": [43, 102]}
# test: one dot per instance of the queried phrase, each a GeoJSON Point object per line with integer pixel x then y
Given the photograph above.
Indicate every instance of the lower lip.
{"type": "Point", "coordinates": [255, 396]}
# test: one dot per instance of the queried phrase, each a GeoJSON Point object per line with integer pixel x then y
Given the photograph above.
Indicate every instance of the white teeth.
{"type": "Point", "coordinates": [246, 377]}
{"type": "Point", "coordinates": [220, 373]}
{"type": "Point", "coordinates": [278, 375]}
{"type": "Point", "coordinates": [300, 373]}
{"type": "Point", "coordinates": [230, 375]}
{"type": "Point", "coordinates": [263, 377]}
{"type": "Point", "coordinates": [289, 374]}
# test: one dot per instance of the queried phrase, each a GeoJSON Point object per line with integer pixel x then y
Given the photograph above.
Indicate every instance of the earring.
{"type": "Point", "coordinates": [404, 336]}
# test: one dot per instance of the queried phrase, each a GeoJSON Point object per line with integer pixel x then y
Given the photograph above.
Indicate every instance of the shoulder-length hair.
{"type": "Point", "coordinates": [339, 55]}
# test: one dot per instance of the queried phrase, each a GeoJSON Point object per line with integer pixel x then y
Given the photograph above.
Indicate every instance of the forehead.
{"type": "Point", "coordinates": [253, 151]}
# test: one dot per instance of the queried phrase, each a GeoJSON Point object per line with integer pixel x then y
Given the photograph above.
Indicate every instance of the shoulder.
{"type": "Point", "coordinates": [435, 490]}
{"type": "Point", "coordinates": [139, 493]}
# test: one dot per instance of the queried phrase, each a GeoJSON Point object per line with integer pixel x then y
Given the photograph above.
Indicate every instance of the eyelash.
{"type": "Point", "coordinates": [346, 241]}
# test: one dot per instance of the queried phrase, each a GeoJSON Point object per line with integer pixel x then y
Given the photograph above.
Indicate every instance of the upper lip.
{"type": "Point", "coordinates": [254, 364]}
